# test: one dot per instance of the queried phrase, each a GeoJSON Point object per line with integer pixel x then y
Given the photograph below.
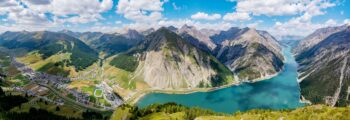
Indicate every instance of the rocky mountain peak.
{"type": "Point", "coordinates": [172, 28]}
{"type": "Point", "coordinates": [196, 37]}
{"type": "Point", "coordinates": [148, 31]}
{"type": "Point", "coordinates": [248, 50]}
{"type": "Point", "coordinates": [185, 26]}
{"type": "Point", "coordinates": [169, 61]}
{"type": "Point", "coordinates": [132, 34]}
{"type": "Point", "coordinates": [316, 37]}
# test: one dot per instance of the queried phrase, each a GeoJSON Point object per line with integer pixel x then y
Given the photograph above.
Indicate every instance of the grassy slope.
{"type": "Point", "coordinates": [316, 112]}
{"type": "Point", "coordinates": [177, 112]}
{"type": "Point", "coordinates": [65, 110]}
{"type": "Point", "coordinates": [55, 64]}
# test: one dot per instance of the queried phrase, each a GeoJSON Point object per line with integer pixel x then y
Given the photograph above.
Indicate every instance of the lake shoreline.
{"type": "Point", "coordinates": [133, 100]}
{"type": "Point", "coordinates": [276, 91]}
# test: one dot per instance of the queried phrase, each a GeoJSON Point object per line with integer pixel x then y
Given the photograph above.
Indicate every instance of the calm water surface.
{"type": "Point", "coordinates": [280, 92]}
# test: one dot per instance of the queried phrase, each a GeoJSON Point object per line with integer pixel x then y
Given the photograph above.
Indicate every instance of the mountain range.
{"type": "Point", "coordinates": [166, 58]}
{"type": "Point", "coordinates": [250, 54]}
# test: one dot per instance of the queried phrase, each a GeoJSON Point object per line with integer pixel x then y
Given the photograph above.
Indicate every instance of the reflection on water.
{"type": "Point", "coordinates": [280, 92]}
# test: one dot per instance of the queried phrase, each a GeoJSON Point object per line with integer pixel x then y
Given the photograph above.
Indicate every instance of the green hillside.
{"type": "Point", "coordinates": [48, 44]}
{"type": "Point", "coordinates": [172, 111]}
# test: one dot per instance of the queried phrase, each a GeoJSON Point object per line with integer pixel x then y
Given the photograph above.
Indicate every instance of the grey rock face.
{"type": "Point", "coordinates": [324, 66]}
{"type": "Point", "coordinates": [197, 38]}
{"type": "Point", "coordinates": [316, 37]}
{"type": "Point", "coordinates": [166, 61]}
{"type": "Point", "coordinates": [250, 54]}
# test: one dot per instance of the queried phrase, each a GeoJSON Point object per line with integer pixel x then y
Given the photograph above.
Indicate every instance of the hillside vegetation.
{"type": "Point", "coordinates": [171, 111]}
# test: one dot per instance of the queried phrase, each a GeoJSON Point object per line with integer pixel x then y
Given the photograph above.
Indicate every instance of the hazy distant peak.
{"type": "Point", "coordinates": [185, 26]}
{"type": "Point", "coordinates": [172, 28]}
{"type": "Point", "coordinates": [132, 34]}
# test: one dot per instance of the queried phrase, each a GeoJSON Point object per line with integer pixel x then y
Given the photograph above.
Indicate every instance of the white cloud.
{"type": "Point", "coordinates": [75, 11]}
{"type": "Point", "coordinates": [118, 22]}
{"type": "Point", "coordinates": [269, 7]}
{"type": "Point", "coordinates": [31, 14]}
{"type": "Point", "coordinates": [231, 0]}
{"type": "Point", "coordinates": [72, 7]}
{"type": "Point", "coordinates": [197, 24]}
{"type": "Point", "coordinates": [141, 10]}
{"type": "Point", "coordinates": [39, 2]}
{"type": "Point", "coordinates": [297, 27]}
{"type": "Point", "coordinates": [255, 24]}
{"type": "Point", "coordinates": [17, 13]}
{"type": "Point", "coordinates": [281, 7]}
{"type": "Point", "coordinates": [178, 23]}
{"type": "Point", "coordinates": [302, 25]}
{"type": "Point", "coordinates": [331, 22]}
{"type": "Point", "coordinates": [83, 18]}
{"type": "Point", "coordinates": [346, 21]}
{"type": "Point", "coordinates": [205, 16]}
{"type": "Point", "coordinates": [175, 6]}
{"type": "Point", "coordinates": [237, 16]}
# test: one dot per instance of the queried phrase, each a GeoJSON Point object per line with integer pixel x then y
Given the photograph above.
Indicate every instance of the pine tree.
{"type": "Point", "coordinates": [57, 108]}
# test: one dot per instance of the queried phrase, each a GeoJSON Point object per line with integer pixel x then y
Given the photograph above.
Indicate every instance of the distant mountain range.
{"type": "Point", "coordinates": [166, 58]}
{"type": "Point", "coordinates": [109, 43]}
{"type": "Point", "coordinates": [325, 66]}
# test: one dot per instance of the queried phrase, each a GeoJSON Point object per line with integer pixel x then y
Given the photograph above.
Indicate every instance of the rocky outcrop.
{"type": "Point", "coordinates": [166, 61]}
{"type": "Point", "coordinates": [325, 66]}
{"type": "Point", "coordinates": [197, 38]}
{"type": "Point", "coordinates": [250, 54]}
{"type": "Point", "coordinates": [316, 37]}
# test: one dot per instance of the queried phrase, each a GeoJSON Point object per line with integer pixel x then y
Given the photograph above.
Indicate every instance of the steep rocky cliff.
{"type": "Point", "coordinates": [197, 38]}
{"type": "Point", "coordinates": [324, 66]}
{"type": "Point", "coordinates": [250, 54]}
{"type": "Point", "coordinates": [166, 61]}
{"type": "Point", "coordinates": [316, 37]}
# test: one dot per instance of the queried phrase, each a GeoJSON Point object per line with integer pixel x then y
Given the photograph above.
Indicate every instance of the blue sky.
{"type": "Point", "coordinates": [279, 17]}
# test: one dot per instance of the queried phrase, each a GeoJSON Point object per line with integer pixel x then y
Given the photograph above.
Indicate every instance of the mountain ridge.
{"type": "Point", "coordinates": [324, 69]}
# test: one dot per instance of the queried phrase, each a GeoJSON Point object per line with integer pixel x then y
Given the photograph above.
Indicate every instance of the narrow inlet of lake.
{"type": "Point", "coordinates": [279, 92]}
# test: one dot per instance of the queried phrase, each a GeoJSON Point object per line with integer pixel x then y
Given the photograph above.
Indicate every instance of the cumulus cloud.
{"type": "Point", "coordinates": [31, 14]}
{"type": "Point", "coordinates": [83, 11]}
{"type": "Point", "coordinates": [281, 7]}
{"type": "Point", "coordinates": [237, 16]}
{"type": "Point", "coordinates": [141, 10]}
{"type": "Point", "coordinates": [302, 25]}
{"type": "Point", "coordinates": [255, 24]}
{"type": "Point", "coordinates": [39, 2]}
{"type": "Point", "coordinates": [205, 16]}
{"type": "Point", "coordinates": [270, 7]}
{"type": "Point", "coordinates": [21, 15]}
{"type": "Point", "coordinates": [200, 25]}
{"type": "Point", "coordinates": [71, 7]}
{"type": "Point", "coordinates": [346, 21]}
{"type": "Point", "coordinates": [297, 27]}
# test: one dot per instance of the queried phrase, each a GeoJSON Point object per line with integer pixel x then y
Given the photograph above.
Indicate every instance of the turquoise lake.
{"type": "Point", "coordinates": [279, 92]}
